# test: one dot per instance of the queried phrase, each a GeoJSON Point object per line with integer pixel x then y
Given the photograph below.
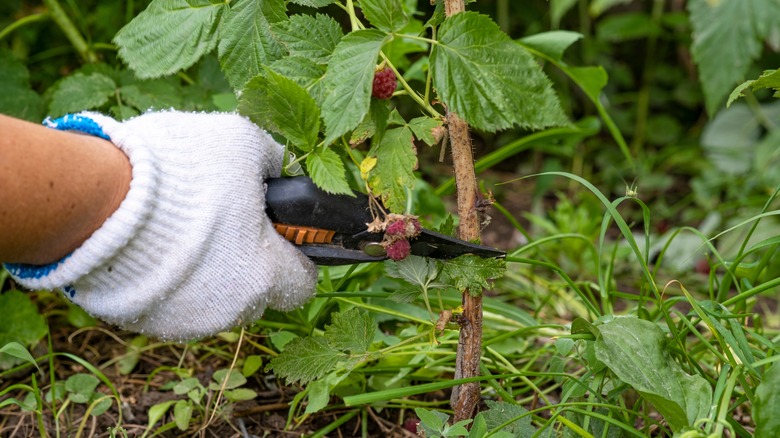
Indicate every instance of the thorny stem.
{"type": "Point", "coordinates": [466, 397]}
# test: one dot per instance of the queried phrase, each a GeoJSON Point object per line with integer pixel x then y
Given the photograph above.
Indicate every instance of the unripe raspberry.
{"type": "Point", "coordinates": [399, 250]}
{"type": "Point", "coordinates": [384, 84]}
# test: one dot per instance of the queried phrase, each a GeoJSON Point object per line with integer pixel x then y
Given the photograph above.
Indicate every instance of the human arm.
{"type": "Point", "coordinates": [189, 251]}
{"type": "Point", "coordinates": [56, 189]}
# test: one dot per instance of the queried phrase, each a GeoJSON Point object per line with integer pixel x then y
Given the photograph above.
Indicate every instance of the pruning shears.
{"type": "Point", "coordinates": [334, 229]}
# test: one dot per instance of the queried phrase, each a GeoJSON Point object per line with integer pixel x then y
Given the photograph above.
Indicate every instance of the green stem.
{"type": "Point", "coordinates": [429, 76]}
{"type": "Point", "coordinates": [416, 38]}
{"type": "Point", "coordinates": [71, 32]}
{"type": "Point", "coordinates": [761, 116]}
{"type": "Point", "coordinates": [34, 18]}
{"type": "Point", "coordinates": [104, 46]}
{"type": "Point", "coordinates": [410, 92]}
{"type": "Point", "coordinates": [298, 159]}
{"type": "Point", "coordinates": [353, 21]}
{"type": "Point", "coordinates": [643, 101]}
{"type": "Point", "coordinates": [335, 425]}
{"type": "Point", "coordinates": [502, 14]}
{"type": "Point", "coordinates": [405, 342]}
{"type": "Point", "coordinates": [52, 380]}
{"type": "Point", "coordinates": [380, 309]}
{"type": "Point", "coordinates": [724, 402]}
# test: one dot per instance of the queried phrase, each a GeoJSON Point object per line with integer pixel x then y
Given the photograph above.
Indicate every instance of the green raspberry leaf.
{"type": "Point", "coordinates": [769, 79]}
{"type": "Point", "coordinates": [279, 104]}
{"type": "Point", "coordinates": [423, 128]}
{"type": "Point", "coordinates": [313, 3]}
{"type": "Point", "coordinates": [327, 171]}
{"type": "Point", "coordinates": [373, 124]}
{"type": "Point", "coordinates": [723, 47]}
{"type": "Point", "coordinates": [305, 72]}
{"type": "Point", "coordinates": [79, 92]}
{"type": "Point", "coordinates": [387, 15]}
{"type": "Point", "coordinates": [309, 37]}
{"type": "Point", "coordinates": [348, 81]}
{"type": "Point", "coordinates": [489, 80]}
{"type": "Point", "coordinates": [158, 94]}
{"type": "Point", "coordinates": [552, 43]}
{"type": "Point", "coordinates": [394, 172]}
{"type": "Point", "coordinates": [246, 42]}
{"type": "Point", "coordinates": [160, 40]}
{"type": "Point", "coordinates": [16, 96]}
{"type": "Point", "coordinates": [351, 331]}
{"type": "Point", "coordinates": [305, 359]}
{"type": "Point", "coordinates": [472, 272]}
{"type": "Point", "coordinates": [590, 79]}
{"type": "Point", "coordinates": [415, 270]}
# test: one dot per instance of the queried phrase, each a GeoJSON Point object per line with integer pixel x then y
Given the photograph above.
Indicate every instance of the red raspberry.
{"type": "Point", "coordinates": [396, 228]}
{"type": "Point", "coordinates": [399, 250]}
{"type": "Point", "coordinates": [384, 84]}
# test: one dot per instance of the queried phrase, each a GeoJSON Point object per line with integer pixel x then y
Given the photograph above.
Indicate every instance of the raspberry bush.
{"type": "Point", "coordinates": [383, 344]}
{"type": "Point", "coordinates": [327, 90]}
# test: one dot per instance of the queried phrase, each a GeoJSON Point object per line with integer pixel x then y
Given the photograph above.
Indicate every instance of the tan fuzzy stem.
{"type": "Point", "coordinates": [465, 398]}
{"type": "Point", "coordinates": [453, 7]}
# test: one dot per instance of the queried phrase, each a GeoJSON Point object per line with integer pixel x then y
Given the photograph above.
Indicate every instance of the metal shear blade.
{"type": "Point", "coordinates": [332, 229]}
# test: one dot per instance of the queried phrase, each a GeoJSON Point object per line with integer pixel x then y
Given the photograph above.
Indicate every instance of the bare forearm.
{"type": "Point", "coordinates": [56, 189]}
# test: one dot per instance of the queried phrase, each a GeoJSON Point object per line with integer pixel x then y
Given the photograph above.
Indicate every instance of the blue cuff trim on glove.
{"type": "Point", "coordinates": [78, 123]}
{"type": "Point", "coordinates": [69, 122]}
{"type": "Point", "coordinates": [22, 270]}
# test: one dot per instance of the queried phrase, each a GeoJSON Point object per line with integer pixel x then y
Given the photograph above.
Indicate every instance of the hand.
{"type": "Point", "coordinates": [190, 251]}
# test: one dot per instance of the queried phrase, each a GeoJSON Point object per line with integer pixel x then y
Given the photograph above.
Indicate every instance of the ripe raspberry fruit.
{"type": "Point", "coordinates": [406, 226]}
{"type": "Point", "coordinates": [384, 84]}
{"type": "Point", "coordinates": [396, 228]}
{"type": "Point", "coordinates": [399, 250]}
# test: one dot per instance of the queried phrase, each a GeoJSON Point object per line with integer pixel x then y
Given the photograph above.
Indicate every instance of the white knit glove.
{"type": "Point", "coordinates": [190, 251]}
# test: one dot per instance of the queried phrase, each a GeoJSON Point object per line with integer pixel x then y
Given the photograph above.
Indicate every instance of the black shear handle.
{"type": "Point", "coordinates": [298, 201]}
